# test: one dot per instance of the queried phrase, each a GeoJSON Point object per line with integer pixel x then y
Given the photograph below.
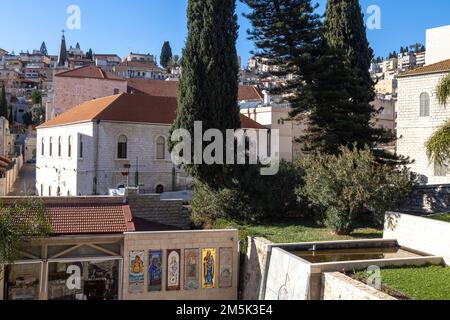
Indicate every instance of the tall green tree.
{"type": "Point", "coordinates": [288, 34]}
{"type": "Point", "coordinates": [345, 36]}
{"type": "Point", "coordinates": [43, 49]}
{"type": "Point", "coordinates": [166, 55]}
{"type": "Point", "coordinates": [90, 55]}
{"type": "Point", "coordinates": [3, 103]}
{"type": "Point", "coordinates": [208, 88]}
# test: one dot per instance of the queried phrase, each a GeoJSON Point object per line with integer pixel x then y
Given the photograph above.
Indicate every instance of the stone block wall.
{"type": "Point", "coordinates": [337, 286]}
{"type": "Point", "coordinates": [428, 200]}
{"type": "Point", "coordinates": [182, 240]}
{"type": "Point", "coordinates": [255, 268]}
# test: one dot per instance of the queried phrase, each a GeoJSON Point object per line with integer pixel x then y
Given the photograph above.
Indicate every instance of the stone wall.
{"type": "Point", "coordinates": [182, 240]}
{"type": "Point", "coordinates": [255, 268]}
{"type": "Point", "coordinates": [422, 234]}
{"type": "Point", "coordinates": [413, 131]}
{"type": "Point", "coordinates": [6, 183]}
{"type": "Point", "coordinates": [153, 209]}
{"type": "Point", "coordinates": [428, 200]}
{"type": "Point", "coordinates": [337, 286]}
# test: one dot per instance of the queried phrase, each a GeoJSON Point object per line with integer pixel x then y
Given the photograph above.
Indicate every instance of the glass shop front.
{"type": "Point", "coordinates": [73, 273]}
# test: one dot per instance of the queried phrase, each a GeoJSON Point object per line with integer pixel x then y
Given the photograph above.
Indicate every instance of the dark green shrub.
{"type": "Point", "coordinates": [339, 189]}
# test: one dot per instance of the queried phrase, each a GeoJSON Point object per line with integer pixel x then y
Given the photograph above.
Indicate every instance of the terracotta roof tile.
{"type": "Point", "coordinates": [68, 219]}
{"type": "Point", "coordinates": [87, 218]}
{"type": "Point", "coordinates": [91, 72]}
{"type": "Point", "coordinates": [439, 67]}
{"type": "Point", "coordinates": [137, 108]}
{"type": "Point", "coordinates": [162, 88]}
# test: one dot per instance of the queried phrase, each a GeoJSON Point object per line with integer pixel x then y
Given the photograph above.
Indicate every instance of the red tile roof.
{"type": "Point", "coordinates": [77, 217]}
{"type": "Point", "coordinates": [439, 67]}
{"type": "Point", "coordinates": [162, 88]}
{"type": "Point", "coordinates": [90, 72]}
{"type": "Point", "coordinates": [67, 219]}
{"type": "Point", "coordinates": [135, 108]}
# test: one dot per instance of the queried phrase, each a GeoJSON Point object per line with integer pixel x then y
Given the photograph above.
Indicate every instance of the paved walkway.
{"type": "Point", "coordinates": [25, 184]}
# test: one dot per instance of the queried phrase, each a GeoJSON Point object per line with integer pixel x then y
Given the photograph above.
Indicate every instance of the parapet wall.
{"type": "Point", "coordinates": [337, 286]}
{"type": "Point", "coordinates": [422, 234]}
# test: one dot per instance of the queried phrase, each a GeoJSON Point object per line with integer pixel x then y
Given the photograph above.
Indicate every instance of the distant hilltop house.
{"type": "Point", "coordinates": [87, 149]}
{"type": "Point", "coordinates": [419, 113]}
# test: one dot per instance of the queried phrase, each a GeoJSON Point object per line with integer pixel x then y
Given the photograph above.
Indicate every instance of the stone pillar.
{"type": "Point", "coordinates": [255, 268]}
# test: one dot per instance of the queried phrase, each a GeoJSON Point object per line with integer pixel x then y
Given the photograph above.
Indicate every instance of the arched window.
{"type": "Point", "coordinates": [122, 147]}
{"type": "Point", "coordinates": [59, 147]}
{"type": "Point", "coordinates": [51, 147]}
{"type": "Point", "coordinates": [42, 190]}
{"type": "Point", "coordinates": [43, 147]}
{"type": "Point", "coordinates": [49, 191]}
{"type": "Point", "coordinates": [160, 189]}
{"type": "Point", "coordinates": [58, 192]}
{"type": "Point", "coordinates": [160, 148]}
{"type": "Point", "coordinates": [69, 147]}
{"type": "Point", "coordinates": [81, 147]}
{"type": "Point", "coordinates": [424, 104]}
{"type": "Point", "coordinates": [68, 193]}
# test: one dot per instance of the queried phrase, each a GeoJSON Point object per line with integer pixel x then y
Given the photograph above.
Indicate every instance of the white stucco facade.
{"type": "Point", "coordinates": [414, 130]}
{"type": "Point", "coordinates": [93, 166]}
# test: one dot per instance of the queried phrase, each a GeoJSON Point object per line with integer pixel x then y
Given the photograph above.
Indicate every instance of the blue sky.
{"type": "Point", "coordinates": [113, 26]}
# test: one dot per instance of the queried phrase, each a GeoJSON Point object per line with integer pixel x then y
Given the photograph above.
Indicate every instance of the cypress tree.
{"type": "Point", "coordinates": [208, 88]}
{"type": "Point", "coordinates": [345, 37]}
{"type": "Point", "coordinates": [44, 49]}
{"type": "Point", "coordinates": [166, 54]}
{"type": "Point", "coordinates": [3, 103]}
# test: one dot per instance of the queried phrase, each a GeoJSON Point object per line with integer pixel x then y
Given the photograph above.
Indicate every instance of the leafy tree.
{"type": "Point", "coordinates": [20, 223]}
{"type": "Point", "coordinates": [166, 54]}
{"type": "Point", "coordinates": [343, 188]}
{"type": "Point", "coordinates": [43, 49]}
{"type": "Point", "coordinates": [438, 146]}
{"type": "Point", "coordinates": [36, 97]}
{"type": "Point", "coordinates": [38, 114]}
{"type": "Point", "coordinates": [3, 103]}
{"type": "Point", "coordinates": [208, 88]}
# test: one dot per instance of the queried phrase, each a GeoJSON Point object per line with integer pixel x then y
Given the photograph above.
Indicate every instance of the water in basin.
{"type": "Point", "coordinates": [340, 255]}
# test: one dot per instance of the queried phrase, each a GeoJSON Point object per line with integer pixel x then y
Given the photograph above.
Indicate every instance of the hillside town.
{"type": "Point", "coordinates": [86, 144]}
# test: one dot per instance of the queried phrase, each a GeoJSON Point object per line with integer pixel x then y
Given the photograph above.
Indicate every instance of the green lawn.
{"type": "Point", "coordinates": [290, 232]}
{"type": "Point", "coordinates": [417, 283]}
{"type": "Point", "coordinates": [441, 217]}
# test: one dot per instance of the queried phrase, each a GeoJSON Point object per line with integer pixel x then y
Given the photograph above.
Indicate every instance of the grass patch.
{"type": "Point", "coordinates": [441, 217]}
{"type": "Point", "coordinates": [416, 283]}
{"type": "Point", "coordinates": [290, 232]}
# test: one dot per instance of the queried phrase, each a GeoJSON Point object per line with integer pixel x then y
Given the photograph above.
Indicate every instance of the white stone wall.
{"type": "Point", "coordinates": [337, 286]}
{"type": "Point", "coordinates": [288, 277]}
{"type": "Point", "coordinates": [75, 175]}
{"type": "Point", "coordinates": [422, 234]}
{"type": "Point", "coordinates": [413, 131]}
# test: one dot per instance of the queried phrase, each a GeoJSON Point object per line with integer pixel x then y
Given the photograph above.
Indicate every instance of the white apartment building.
{"type": "Point", "coordinates": [406, 60]}
{"type": "Point", "coordinates": [438, 44]}
{"type": "Point", "coordinates": [110, 142]}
